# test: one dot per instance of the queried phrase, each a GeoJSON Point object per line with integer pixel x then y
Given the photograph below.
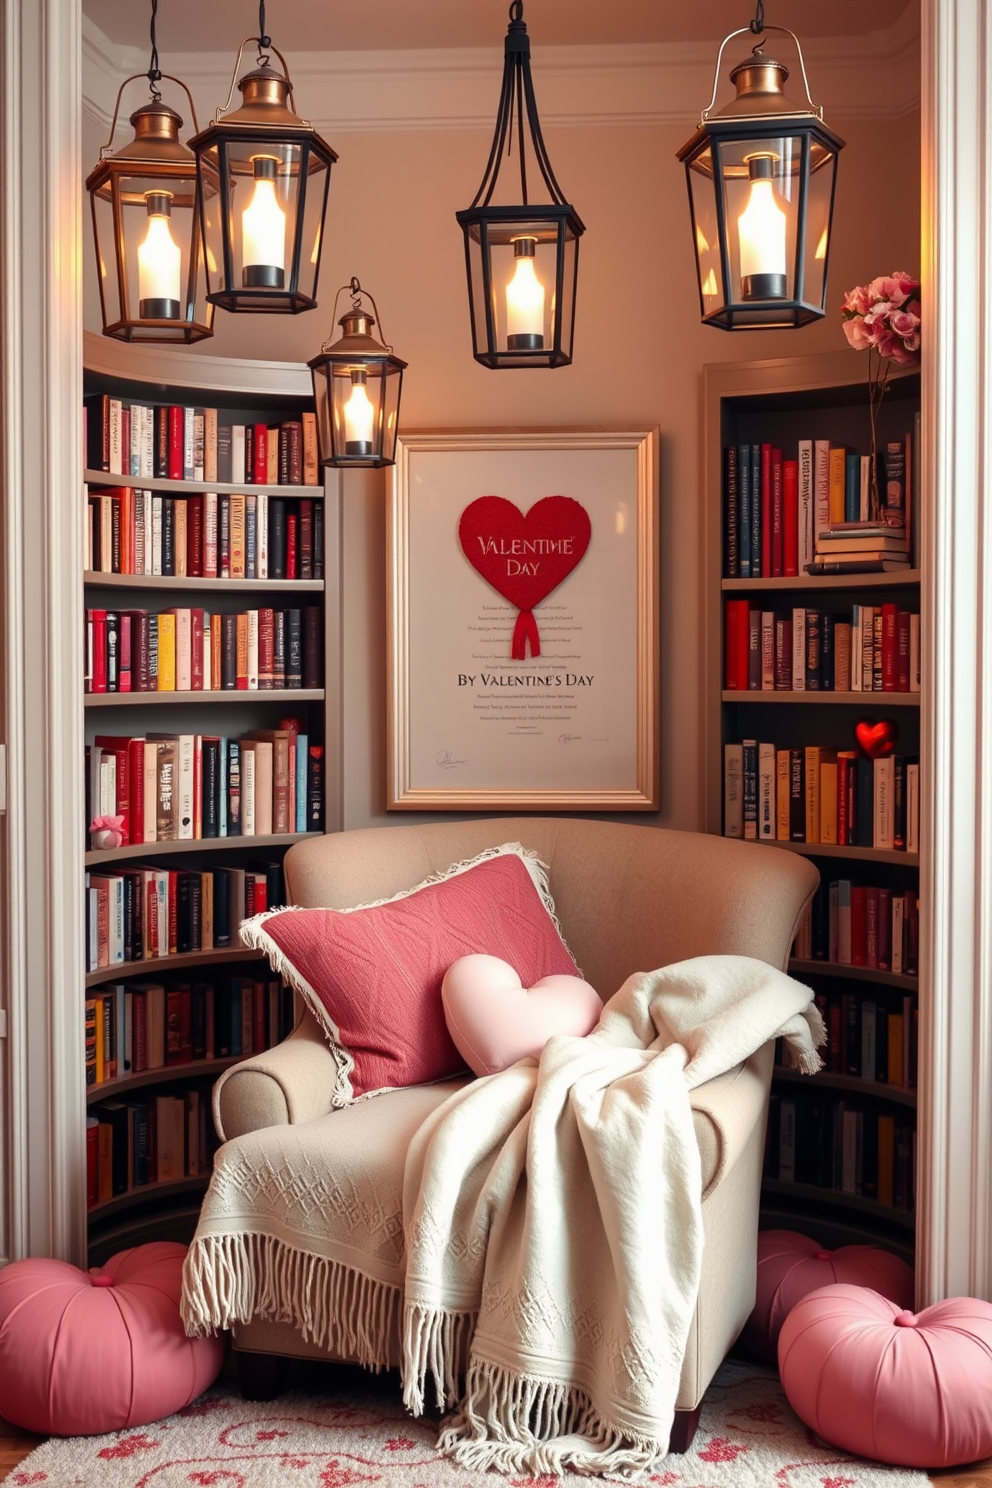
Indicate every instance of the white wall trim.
{"type": "Point", "coordinates": [955, 1111]}
{"type": "Point", "coordinates": [577, 86]}
{"type": "Point", "coordinates": [40, 282]}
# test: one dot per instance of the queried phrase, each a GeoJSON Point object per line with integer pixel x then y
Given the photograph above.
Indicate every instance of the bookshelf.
{"type": "Point", "coordinates": [840, 1160]}
{"type": "Point", "coordinates": [211, 1000]}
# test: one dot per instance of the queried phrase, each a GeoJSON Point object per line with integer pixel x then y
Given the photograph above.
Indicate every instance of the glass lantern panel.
{"type": "Point", "coordinates": [322, 411]}
{"type": "Point", "coordinates": [213, 219]}
{"type": "Point", "coordinates": [564, 324]}
{"type": "Point", "coordinates": [706, 231]}
{"type": "Point", "coordinates": [312, 206]}
{"type": "Point", "coordinates": [819, 205]}
{"type": "Point", "coordinates": [105, 238]}
{"type": "Point", "coordinates": [357, 401]}
{"type": "Point", "coordinates": [480, 300]}
{"type": "Point", "coordinates": [760, 181]}
{"type": "Point", "coordinates": [266, 191]}
{"type": "Point", "coordinates": [391, 413]}
{"type": "Point", "coordinates": [162, 255]}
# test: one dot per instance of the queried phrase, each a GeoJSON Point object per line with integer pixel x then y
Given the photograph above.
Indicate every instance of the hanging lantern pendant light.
{"type": "Point", "coordinates": [357, 382]}
{"type": "Point", "coordinates": [149, 250]}
{"type": "Point", "coordinates": [262, 180]}
{"type": "Point", "coordinates": [521, 260]}
{"type": "Point", "coordinates": [761, 174]}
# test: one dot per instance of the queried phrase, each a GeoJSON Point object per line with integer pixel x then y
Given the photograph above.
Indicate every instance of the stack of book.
{"type": "Point", "coordinates": [861, 547]}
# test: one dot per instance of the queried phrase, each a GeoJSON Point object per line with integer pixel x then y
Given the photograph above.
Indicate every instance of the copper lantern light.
{"type": "Point", "coordinates": [262, 180]}
{"type": "Point", "coordinates": [356, 385]}
{"type": "Point", "coordinates": [761, 175]}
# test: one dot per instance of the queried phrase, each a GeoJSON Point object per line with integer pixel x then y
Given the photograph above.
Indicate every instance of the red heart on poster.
{"type": "Point", "coordinates": [876, 739]}
{"type": "Point", "coordinates": [524, 558]}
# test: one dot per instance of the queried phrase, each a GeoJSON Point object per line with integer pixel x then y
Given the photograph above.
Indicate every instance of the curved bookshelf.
{"type": "Point", "coordinates": [144, 699]}
{"type": "Point", "coordinates": [147, 1191]}
{"type": "Point", "coordinates": [159, 965]}
{"type": "Point", "coordinates": [901, 979]}
{"type": "Point", "coordinates": [851, 1084]}
{"type": "Point", "coordinates": [153, 582]}
{"type": "Point", "coordinates": [810, 583]}
{"type": "Point", "coordinates": [97, 857]}
{"type": "Point", "coordinates": [873, 700]}
{"type": "Point", "coordinates": [194, 1069]}
{"type": "Point", "coordinates": [855, 854]}
{"type": "Point", "coordinates": [194, 488]}
{"type": "Point", "coordinates": [809, 1192]}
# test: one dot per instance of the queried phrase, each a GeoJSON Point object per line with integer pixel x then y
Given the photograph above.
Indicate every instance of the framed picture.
{"type": "Point", "coordinates": [523, 625]}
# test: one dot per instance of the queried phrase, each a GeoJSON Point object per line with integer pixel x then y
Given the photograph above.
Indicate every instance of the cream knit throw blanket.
{"type": "Point", "coordinates": [553, 1229]}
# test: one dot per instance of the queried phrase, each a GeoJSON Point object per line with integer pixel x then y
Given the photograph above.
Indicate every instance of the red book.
{"type": "Point", "coordinates": [196, 649]}
{"type": "Point", "coordinates": [266, 653]}
{"type": "Point", "coordinates": [173, 911]}
{"type": "Point", "coordinates": [842, 768]}
{"type": "Point", "coordinates": [260, 456]}
{"type": "Point", "coordinates": [778, 529]}
{"type": "Point", "coordinates": [790, 517]}
{"type": "Point", "coordinates": [292, 529]}
{"type": "Point", "coordinates": [194, 537]}
{"type": "Point", "coordinates": [736, 644]}
{"type": "Point", "coordinates": [859, 925]}
{"type": "Point", "coordinates": [306, 543]}
{"type": "Point", "coordinates": [890, 649]}
{"type": "Point", "coordinates": [198, 785]}
{"type": "Point", "coordinates": [885, 929]}
{"type": "Point", "coordinates": [902, 651]}
{"type": "Point", "coordinates": [766, 511]}
{"type": "Point", "coordinates": [176, 437]}
{"type": "Point", "coordinates": [98, 619]}
{"type": "Point", "coordinates": [783, 652]}
{"type": "Point", "coordinates": [871, 927]}
{"type": "Point", "coordinates": [124, 652]}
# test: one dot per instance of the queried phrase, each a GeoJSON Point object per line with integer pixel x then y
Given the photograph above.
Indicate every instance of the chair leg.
{"type": "Point", "coordinates": [684, 1429]}
{"type": "Point", "coordinates": [259, 1375]}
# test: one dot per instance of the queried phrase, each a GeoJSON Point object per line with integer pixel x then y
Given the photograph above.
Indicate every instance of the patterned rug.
{"type": "Point", "coordinates": [353, 1432]}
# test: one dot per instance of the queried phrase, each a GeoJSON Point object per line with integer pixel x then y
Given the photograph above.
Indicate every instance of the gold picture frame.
{"type": "Point", "coordinates": [477, 718]}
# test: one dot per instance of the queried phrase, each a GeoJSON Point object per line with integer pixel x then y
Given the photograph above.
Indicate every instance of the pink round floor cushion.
{"type": "Point", "coordinates": [790, 1266]}
{"type": "Point", "coordinates": [82, 1353]}
{"type": "Point", "coordinates": [494, 1020]}
{"type": "Point", "coordinates": [912, 1389]}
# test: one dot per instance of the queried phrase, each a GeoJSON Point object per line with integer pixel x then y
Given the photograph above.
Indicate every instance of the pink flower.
{"type": "Point", "coordinates": [856, 334]}
{"type": "Point", "coordinates": [856, 300]}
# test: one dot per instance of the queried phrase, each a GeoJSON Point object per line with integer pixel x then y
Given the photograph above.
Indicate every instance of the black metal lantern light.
{"type": "Point", "coordinates": [262, 179]}
{"type": "Point", "coordinates": [522, 260]}
{"type": "Point", "coordinates": [761, 175]}
{"type": "Point", "coordinates": [149, 251]}
{"type": "Point", "coordinates": [356, 386]}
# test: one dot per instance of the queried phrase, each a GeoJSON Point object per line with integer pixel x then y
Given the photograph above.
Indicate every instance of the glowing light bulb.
{"type": "Point", "coordinates": [761, 230]}
{"type": "Point", "coordinates": [359, 418]}
{"type": "Point", "coordinates": [524, 301]}
{"type": "Point", "coordinates": [263, 231]}
{"type": "Point", "coordinates": [159, 262]}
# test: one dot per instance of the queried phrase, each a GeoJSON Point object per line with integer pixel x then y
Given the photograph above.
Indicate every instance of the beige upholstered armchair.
{"type": "Point", "coordinates": [629, 898]}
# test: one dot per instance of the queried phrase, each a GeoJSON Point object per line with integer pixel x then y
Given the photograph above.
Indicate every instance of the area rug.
{"type": "Point", "coordinates": [355, 1432]}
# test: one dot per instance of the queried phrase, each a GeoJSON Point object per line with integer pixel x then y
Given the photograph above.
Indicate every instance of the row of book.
{"type": "Point", "coordinates": [779, 512]}
{"type": "Point", "coordinates": [842, 1145]}
{"type": "Point", "coordinates": [829, 796]}
{"type": "Point", "coordinates": [871, 648]}
{"type": "Point", "coordinates": [873, 1039]}
{"type": "Point", "coordinates": [134, 1026]}
{"type": "Point", "coordinates": [132, 1143]}
{"type": "Point", "coordinates": [188, 649]}
{"type": "Point", "coordinates": [850, 923]}
{"type": "Point", "coordinates": [175, 787]}
{"type": "Point", "coordinates": [182, 442]}
{"type": "Point", "coordinates": [146, 912]}
{"type": "Point", "coordinates": [247, 535]}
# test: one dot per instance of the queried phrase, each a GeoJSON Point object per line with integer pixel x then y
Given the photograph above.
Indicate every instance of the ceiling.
{"type": "Point", "coordinates": [369, 25]}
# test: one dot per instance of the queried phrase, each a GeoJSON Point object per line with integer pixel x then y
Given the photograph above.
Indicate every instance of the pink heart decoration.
{"type": "Point", "coordinates": [494, 1021]}
{"type": "Point", "coordinates": [524, 558]}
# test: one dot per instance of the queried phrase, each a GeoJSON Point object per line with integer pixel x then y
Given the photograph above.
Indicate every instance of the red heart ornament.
{"type": "Point", "coordinates": [876, 739]}
{"type": "Point", "coordinates": [524, 558]}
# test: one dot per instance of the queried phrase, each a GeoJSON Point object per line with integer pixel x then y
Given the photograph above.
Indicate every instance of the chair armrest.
{"type": "Point", "coordinates": [290, 1083]}
{"type": "Point", "coordinates": [727, 1110]}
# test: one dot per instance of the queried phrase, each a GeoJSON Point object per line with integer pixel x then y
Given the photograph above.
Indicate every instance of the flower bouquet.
{"type": "Point", "coordinates": [883, 318]}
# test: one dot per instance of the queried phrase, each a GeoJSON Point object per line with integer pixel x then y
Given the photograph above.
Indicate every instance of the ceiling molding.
{"type": "Point", "coordinates": [630, 86]}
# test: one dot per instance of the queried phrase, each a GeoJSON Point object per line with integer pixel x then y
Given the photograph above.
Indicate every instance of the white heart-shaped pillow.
{"type": "Point", "coordinates": [494, 1020]}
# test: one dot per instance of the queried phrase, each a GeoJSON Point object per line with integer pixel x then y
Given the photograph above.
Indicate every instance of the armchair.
{"type": "Point", "coordinates": [629, 898]}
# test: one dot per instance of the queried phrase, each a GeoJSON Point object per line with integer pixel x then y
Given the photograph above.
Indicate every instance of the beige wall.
{"type": "Point", "coordinates": [639, 350]}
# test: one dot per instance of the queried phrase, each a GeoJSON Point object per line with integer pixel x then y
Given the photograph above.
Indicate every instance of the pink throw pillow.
{"type": "Point", "coordinates": [913, 1389]}
{"type": "Point", "coordinates": [495, 1020]}
{"type": "Point", "coordinates": [372, 975]}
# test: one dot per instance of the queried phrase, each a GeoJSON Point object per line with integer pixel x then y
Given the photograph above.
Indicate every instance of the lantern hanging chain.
{"type": "Point", "coordinates": [757, 26]}
{"type": "Point", "coordinates": [154, 72]}
{"type": "Point", "coordinates": [264, 40]}
{"type": "Point", "coordinates": [356, 292]}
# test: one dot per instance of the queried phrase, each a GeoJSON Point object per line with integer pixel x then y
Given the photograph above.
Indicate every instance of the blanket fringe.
{"type": "Point", "coordinates": [234, 1278]}
{"type": "Point", "coordinates": [514, 1423]}
{"type": "Point", "coordinates": [435, 1343]}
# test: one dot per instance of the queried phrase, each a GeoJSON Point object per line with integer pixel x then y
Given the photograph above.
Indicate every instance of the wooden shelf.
{"type": "Point", "coordinates": [196, 1068]}
{"type": "Point", "coordinates": [809, 1192]}
{"type": "Point", "coordinates": [98, 857]}
{"type": "Point", "coordinates": [144, 1192]}
{"type": "Point", "coordinates": [158, 966]}
{"type": "Point", "coordinates": [854, 854]}
{"type": "Point", "coordinates": [195, 488]}
{"type": "Point", "coordinates": [901, 979]}
{"type": "Point", "coordinates": [94, 578]}
{"type": "Point", "coordinates": [908, 579]}
{"type": "Point", "coordinates": [154, 699]}
{"type": "Point", "coordinates": [853, 1084]}
{"type": "Point", "coordinates": [872, 700]}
